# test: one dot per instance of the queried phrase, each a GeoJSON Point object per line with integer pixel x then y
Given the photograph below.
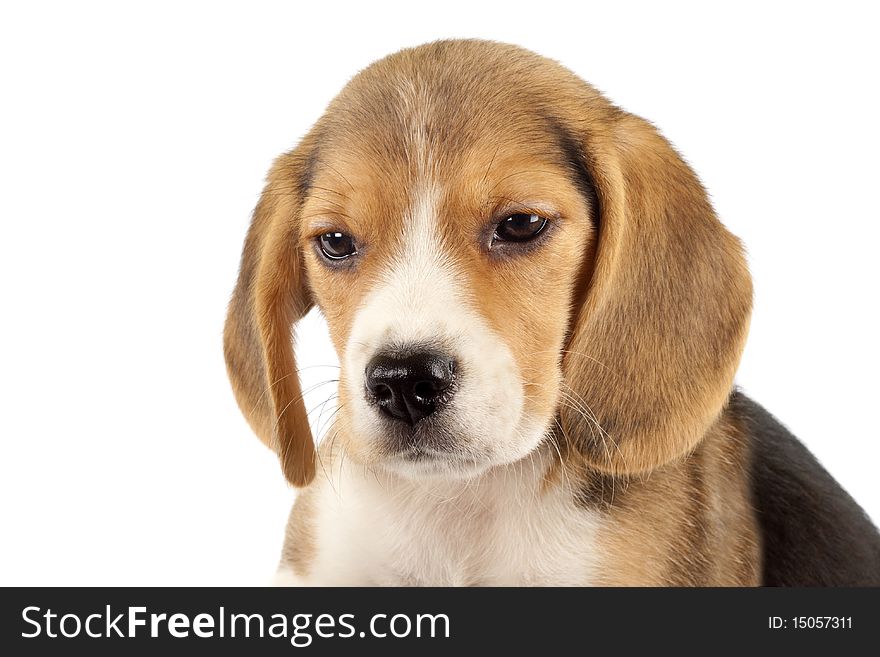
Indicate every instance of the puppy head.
{"type": "Point", "coordinates": [498, 252]}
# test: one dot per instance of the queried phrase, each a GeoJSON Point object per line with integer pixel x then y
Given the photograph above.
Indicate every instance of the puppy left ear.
{"type": "Point", "coordinates": [658, 337]}
{"type": "Point", "coordinates": [270, 296]}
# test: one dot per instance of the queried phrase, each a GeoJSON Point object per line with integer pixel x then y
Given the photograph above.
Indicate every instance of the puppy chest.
{"type": "Point", "coordinates": [488, 543]}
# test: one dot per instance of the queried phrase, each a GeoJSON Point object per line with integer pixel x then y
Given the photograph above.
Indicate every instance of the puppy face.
{"type": "Point", "coordinates": [499, 251]}
{"type": "Point", "coordinates": [443, 247]}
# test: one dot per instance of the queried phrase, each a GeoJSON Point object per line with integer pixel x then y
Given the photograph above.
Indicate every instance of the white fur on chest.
{"type": "Point", "coordinates": [503, 529]}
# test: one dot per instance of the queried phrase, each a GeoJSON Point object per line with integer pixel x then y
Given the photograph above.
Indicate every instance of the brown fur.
{"type": "Point", "coordinates": [686, 523]}
{"type": "Point", "coordinates": [648, 289]}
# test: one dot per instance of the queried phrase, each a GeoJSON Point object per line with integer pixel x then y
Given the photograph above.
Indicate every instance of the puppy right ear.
{"type": "Point", "coordinates": [270, 296]}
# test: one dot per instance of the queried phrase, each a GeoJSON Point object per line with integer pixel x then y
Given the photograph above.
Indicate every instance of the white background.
{"type": "Point", "coordinates": [133, 145]}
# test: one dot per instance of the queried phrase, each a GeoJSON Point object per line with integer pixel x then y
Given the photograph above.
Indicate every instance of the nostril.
{"type": "Point", "coordinates": [426, 390]}
{"type": "Point", "coordinates": [382, 392]}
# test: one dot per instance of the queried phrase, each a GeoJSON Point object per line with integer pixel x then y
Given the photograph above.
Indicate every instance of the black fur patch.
{"type": "Point", "coordinates": [813, 533]}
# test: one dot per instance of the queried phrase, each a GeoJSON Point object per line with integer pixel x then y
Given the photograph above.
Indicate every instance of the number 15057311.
{"type": "Point", "coordinates": [810, 623]}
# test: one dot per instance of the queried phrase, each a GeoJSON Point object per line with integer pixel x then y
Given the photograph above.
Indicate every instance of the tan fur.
{"type": "Point", "coordinates": [300, 542]}
{"type": "Point", "coordinates": [645, 317]}
{"type": "Point", "coordinates": [686, 523]}
{"type": "Point", "coordinates": [270, 296]}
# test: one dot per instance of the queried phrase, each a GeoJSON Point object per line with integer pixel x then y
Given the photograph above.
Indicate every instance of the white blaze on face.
{"type": "Point", "coordinates": [420, 301]}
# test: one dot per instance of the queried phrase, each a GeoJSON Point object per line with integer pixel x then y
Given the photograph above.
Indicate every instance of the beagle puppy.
{"type": "Point", "coordinates": [538, 318]}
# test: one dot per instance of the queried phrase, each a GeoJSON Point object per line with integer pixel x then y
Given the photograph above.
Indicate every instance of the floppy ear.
{"type": "Point", "coordinates": [657, 340]}
{"type": "Point", "coordinates": [270, 296]}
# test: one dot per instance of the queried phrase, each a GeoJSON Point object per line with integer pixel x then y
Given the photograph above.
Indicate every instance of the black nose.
{"type": "Point", "coordinates": [412, 386]}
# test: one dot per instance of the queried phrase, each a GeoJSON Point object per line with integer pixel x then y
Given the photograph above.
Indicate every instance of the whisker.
{"type": "Point", "coordinates": [321, 462]}
{"type": "Point", "coordinates": [328, 422]}
{"type": "Point", "coordinates": [489, 168]}
{"type": "Point", "coordinates": [334, 170]}
{"type": "Point", "coordinates": [323, 215]}
{"type": "Point", "coordinates": [327, 200]}
{"type": "Point", "coordinates": [553, 442]}
{"type": "Point", "coordinates": [576, 353]}
{"type": "Point", "coordinates": [304, 393]}
{"type": "Point", "coordinates": [511, 175]}
{"type": "Point", "coordinates": [327, 189]}
{"type": "Point", "coordinates": [603, 434]}
{"type": "Point", "coordinates": [280, 379]}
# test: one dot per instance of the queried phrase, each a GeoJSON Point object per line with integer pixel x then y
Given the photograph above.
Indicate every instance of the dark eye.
{"type": "Point", "coordinates": [336, 246]}
{"type": "Point", "coordinates": [520, 227]}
